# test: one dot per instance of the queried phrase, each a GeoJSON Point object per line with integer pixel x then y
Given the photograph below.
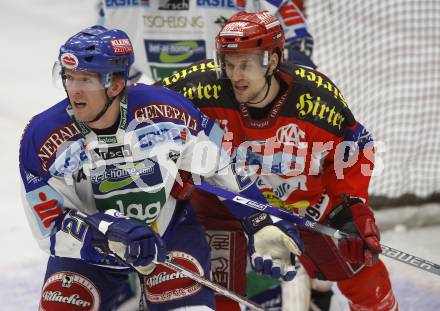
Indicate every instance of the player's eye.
{"type": "Point", "coordinates": [244, 66]}
{"type": "Point", "coordinates": [86, 80]}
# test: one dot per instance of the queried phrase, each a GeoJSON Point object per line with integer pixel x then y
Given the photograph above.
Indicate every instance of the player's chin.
{"type": "Point", "coordinates": [242, 99]}
{"type": "Point", "coordinates": [81, 117]}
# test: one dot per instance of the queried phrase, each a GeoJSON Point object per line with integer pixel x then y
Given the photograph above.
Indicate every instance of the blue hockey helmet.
{"type": "Point", "coordinates": [98, 49]}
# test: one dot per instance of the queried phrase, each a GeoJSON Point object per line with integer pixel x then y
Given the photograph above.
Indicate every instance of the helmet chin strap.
{"type": "Point", "coordinates": [268, 83]}
{"type": "Point", "coordinates": [108, 103]}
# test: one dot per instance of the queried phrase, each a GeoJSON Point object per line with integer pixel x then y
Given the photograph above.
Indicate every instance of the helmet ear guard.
{"type": "Point", "coordinates": [106, 79]}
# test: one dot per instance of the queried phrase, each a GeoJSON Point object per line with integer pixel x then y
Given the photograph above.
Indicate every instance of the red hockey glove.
{"type": "Point", "coordinates": [356, 218]}
{"type": "Point", "coordinates": [183, 186]}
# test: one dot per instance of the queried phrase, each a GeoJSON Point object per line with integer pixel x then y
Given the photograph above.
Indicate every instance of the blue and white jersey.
{"type": "Point", "coordinates": [66, 167]}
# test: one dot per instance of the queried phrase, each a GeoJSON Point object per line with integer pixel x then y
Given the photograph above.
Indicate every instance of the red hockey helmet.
{"type": "Point", "coordinates": [249, 32]}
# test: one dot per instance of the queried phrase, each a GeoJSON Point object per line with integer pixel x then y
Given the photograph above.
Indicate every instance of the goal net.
{"type": "Point", "coordinates": [385, 57]}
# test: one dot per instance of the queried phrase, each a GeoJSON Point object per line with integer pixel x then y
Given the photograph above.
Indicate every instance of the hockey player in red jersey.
{"type": "Point", "coordinates": [312, 156]}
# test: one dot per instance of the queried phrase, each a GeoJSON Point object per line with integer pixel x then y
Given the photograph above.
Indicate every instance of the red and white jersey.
{"type": "Point", "coordinates": [308, 151]}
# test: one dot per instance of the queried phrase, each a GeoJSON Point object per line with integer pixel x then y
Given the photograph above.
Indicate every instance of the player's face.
{"type": "Point", "coordinates": [86, 94]}
{"type": "Point", "coordinates": [246, 73]}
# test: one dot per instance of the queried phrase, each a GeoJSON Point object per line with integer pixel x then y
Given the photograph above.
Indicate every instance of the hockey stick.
{"type": "Point", "coordinates": [214, 286]}
{"type": "Point", "coordinates": [387, 251]}
{"type": "Point", "coordinates": [191, 275]}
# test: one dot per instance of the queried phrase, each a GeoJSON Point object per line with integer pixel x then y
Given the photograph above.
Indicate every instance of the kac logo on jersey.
{"type": "Point", "coordinates": [291, 134]}
{"type": "Point", "coordinates": [174, 5]}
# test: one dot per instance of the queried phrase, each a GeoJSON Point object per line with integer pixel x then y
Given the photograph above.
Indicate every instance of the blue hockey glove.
{"type": "Point", "coordinates": [134, 242]}
{"type": "Point", "coordinates": [272, 246]}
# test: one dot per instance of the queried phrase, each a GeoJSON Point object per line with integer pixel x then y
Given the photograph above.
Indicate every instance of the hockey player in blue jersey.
{"type": "Point", "coordinates": [108, 157]}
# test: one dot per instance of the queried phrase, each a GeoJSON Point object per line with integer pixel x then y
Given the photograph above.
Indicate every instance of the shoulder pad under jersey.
{"type": "Point", "coordinates": [204, 71]}
{"type": "Point", "coordinates": [45, 134]}
{"type": "Point", "coordinates": [318, 100]}
{"type": "Point", "coordinates": [200, 84]}
{"type": "Point", "coordinates": [157, 104]}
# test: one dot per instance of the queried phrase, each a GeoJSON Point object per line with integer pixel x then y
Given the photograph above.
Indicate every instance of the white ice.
{"type": "Point", "coordinates": [32, 32]}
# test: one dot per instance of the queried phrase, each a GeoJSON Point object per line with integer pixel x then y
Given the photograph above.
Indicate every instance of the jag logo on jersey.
{"type": "Point", "coordinates": [147, 212]}
{"type": "Point", "coordinates": [141, 205]}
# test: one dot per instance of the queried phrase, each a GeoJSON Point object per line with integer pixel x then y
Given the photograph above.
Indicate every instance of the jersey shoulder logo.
{"type": "Point", "coordinates": [320, 82]}
{"type": "Point", "coordinates": [317, 100]}
{"type": "Point", "coordinates": [198, 68]}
